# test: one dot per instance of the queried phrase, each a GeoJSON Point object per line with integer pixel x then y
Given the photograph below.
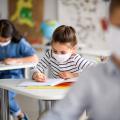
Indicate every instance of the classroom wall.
{"type": "Point", "coordinates": [87, 18]}
{"type": "Point", "coordinates": [50, 9]}
{"type": "Point", "coordinates": [53, 10]}
{"type": "Point", "coordinates": [3, 10]}
{"type": "Point", "coordinates": [49, 5]}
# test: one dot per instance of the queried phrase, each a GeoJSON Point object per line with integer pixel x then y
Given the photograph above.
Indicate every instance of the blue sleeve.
{"type": "Point", "coordinates": [25, 48]}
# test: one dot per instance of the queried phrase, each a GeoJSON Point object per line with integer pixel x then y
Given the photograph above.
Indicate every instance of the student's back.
{"type": "Point", "coordinates": [96, 91]}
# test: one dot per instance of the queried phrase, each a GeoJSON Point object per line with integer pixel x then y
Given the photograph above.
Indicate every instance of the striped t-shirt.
{"type": "Point", "coordinates": [74, 64]}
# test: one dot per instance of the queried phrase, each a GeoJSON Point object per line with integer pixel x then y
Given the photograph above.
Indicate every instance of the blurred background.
{"type": "Point", "coordinates": [37, 19]}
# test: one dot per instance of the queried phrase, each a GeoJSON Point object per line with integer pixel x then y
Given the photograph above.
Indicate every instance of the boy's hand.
{"type": "Point", "coordinates": [10, 61]}
{"type": "Point", "coordinates": [66, 75]}
{"type": "Point", "coordinates": [39, 77]}
{"type": "Point", "coordinates": [104, 59]}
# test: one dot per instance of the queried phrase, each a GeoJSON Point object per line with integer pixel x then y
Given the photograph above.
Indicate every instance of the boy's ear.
{"type": "Point", "coordinates": [74, 49]}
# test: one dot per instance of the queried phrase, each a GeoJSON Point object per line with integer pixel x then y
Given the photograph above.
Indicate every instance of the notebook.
{"type": "Point", "coordinates": [49, 82]}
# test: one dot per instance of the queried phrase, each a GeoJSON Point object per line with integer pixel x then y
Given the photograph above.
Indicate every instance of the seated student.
{"type": "Point", "coordinates": [62, 59]}
{"type": "Point", "coordinates": [14, 49]}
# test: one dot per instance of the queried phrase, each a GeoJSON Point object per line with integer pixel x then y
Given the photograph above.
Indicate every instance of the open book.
{"type": "Point", "coordinates": [49, 82]}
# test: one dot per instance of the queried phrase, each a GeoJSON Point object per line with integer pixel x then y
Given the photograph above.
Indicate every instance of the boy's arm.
{"type": "Point", "coordinates": [32, 58]}
{"type": "Point", "coordinates": [43, 64]}
{"type": "Point", "coordinates": [26, 54]}
{"type": "Point", "coordinates": [82, 63]}
{"type": "Point", "coordinates": [68, 75]}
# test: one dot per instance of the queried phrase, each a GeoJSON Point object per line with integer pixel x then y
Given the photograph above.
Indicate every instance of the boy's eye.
{"type": "Point", "coordinates": [63, 52]}
{"type": "Point", "coordinates": [55, 51]}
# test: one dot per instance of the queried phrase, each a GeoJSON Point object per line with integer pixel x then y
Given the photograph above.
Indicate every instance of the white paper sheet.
{"type": "Point", "coordinates": [49, 82]}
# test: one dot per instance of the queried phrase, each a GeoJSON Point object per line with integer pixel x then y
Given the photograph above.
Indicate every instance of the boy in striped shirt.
{"type": "Point", "coordinates": [62, 60]}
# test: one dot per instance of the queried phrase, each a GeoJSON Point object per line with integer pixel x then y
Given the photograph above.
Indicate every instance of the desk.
{"type": "Point", "coordinates": [41, 94]}
{"type": "Point", "coordinates": [5, 93]}
{"type": "Point", "coordinates": [17, 66]}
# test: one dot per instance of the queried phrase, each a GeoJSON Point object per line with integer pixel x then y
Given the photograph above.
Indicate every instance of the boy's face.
{"type": "Point", "coordinates": [115, 17]}
{"type": "Point", "coordinates": [59, 48]}
{"type": "Point", "coordinates": [3, 40]}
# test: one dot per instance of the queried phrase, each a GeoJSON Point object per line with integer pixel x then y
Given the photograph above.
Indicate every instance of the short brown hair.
{"type": "Point", "coordinates": [113, 5]}
{"type": "Point", "coordinates": [65, 34]}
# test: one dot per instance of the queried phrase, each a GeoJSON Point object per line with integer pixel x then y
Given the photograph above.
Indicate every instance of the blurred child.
{"type": "Point", "coordinates": [14, 49]}
{"type": "Point", "coordinates": [62, 59]}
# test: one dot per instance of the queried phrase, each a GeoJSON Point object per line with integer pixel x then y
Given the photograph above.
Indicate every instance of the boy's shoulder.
{"type": "Point", "coordinates": [75, 56]}
{"type": "Point", "coordinates": [48, 53]}
{"type": "Point", "coordinates": [23, 42]}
